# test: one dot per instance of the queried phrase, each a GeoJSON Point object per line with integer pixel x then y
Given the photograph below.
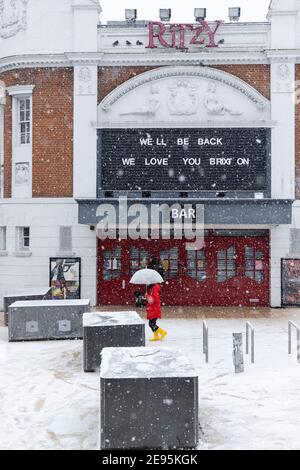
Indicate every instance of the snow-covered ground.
{"type": "Point", "coordinates": [47, 402]}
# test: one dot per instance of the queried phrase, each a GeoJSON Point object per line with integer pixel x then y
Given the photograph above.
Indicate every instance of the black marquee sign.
{"type": "Point", "coordinates": [183, 159]}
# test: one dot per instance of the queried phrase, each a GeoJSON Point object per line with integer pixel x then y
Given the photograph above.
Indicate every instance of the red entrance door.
{"type": "Point", "coordinates": [228, 271]}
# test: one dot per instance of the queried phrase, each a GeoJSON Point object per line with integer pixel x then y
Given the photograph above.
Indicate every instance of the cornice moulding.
{"type": "Point", "coordinates": [190, 124]}
{"type": "Point", "coordinates": [157, 59]}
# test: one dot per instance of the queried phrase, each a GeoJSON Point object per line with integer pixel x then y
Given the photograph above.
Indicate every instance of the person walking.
{"type": "Point", "coordinates": [154, 311]}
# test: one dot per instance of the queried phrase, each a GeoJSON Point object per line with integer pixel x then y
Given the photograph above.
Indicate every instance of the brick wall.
{"type": "Point", "coordinates": [52, 140]}
{"type": "Point", "coordinates": [257, 76]}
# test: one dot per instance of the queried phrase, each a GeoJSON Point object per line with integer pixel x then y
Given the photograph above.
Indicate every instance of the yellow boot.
{"type": "Point", "coordinates": [155, 337]}
{"type": "Point", "coordinates": [162, 333]}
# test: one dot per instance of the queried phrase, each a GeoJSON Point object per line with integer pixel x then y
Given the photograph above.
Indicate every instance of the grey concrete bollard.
{"type": "Point", "coordinates": [46, 319]}
{"type": "Point", "coordinates": [149, 399]}
{"type": "Point", "coordinates": [109, 329]}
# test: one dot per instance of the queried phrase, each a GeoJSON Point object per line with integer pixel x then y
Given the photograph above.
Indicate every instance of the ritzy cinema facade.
{"type": "Point", "coordinates": [200, 114]}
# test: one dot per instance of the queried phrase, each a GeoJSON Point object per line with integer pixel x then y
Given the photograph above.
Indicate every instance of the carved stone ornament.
{"type": "Point", "coordinates": [183, 99]}
{"type": "Point", "coordinates": [184, 93]}
{"type": "Point", "coordinates": [283, 71]}
{"type": "Point", "coordinates": [215, 106]}
{"type": "Point", "coordinates": [13, 17]}
{"type": "Point", "coordinates": [85, 81]}
{"type": "Point", "coordinates": [283, 82]}
{"type": "Point", "coordinates": [22, 175]}
{"type": "Point", "coordinates": [150, 108]}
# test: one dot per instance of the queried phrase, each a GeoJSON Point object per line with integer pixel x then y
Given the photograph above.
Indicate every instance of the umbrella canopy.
{"type": "Point", "coordinates": [146, 276]}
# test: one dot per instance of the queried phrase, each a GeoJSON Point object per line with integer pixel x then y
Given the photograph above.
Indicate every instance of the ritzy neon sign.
{"type": "Point", "coordinates": [175, 35]}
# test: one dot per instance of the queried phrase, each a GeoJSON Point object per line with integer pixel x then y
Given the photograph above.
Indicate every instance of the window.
{"type": "Point", "coordinates": [226, 264]}
{"type": "Point", "coordinates": [169, 261]}
{"type": "Point", "coordinates": [23, 238]}
{"type": "Point", "coordinates": [254, 264]}
{"type": "Point", "coordinates": [65, 239]}
{"type": "Point", "coordinates": [24, 120]}
{"type": "Point", "coordinates": [196, 267]}
{"type": "Point", "coordinates": [112, 264]}
{"type": "Point", "coordinates": [138, 259]}
{"type": "Point", "coordinates": [2, 238]}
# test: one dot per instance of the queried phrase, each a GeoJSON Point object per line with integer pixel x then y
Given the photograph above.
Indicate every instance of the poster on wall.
{"type": "Point", "coordinates": [65, 276]}
{"type": "Point", "coordinates": [290, 272]}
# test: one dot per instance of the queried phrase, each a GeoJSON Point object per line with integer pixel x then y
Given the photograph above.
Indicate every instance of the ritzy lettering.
{"type": "Point", "coordinates": [175, 35]}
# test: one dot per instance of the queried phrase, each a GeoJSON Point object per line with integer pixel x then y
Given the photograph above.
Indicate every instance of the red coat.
{"type": "Point", "coordinates": [153, 303]}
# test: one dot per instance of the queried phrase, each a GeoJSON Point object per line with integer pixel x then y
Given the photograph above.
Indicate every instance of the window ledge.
{"type": "Point", "coordinates": [3, 253]}
{"type": "Point", "coordinates": [22, 254]}
{"type": "Point", "coordinates": [65, 254]}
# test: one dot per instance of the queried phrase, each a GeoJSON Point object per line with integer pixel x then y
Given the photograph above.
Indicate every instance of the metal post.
{"type": "Point", "coordinates": [294, 325]}
{"type": "Point", "coordinates": [249, 326]}
{"type": "Point", "coordinates": [205, 340]}
{"type": "Point", "coordinates": [237, 354]}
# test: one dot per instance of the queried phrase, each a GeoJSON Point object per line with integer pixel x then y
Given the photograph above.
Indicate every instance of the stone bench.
{"type": "Point", "coordinates": [46, 319]}
{"type": "Point", "coordinates": [109, 329]}
{"type": "Point", "coordinates": [36, 293]}
{"type": "Point", "coordinates": [148, 399]}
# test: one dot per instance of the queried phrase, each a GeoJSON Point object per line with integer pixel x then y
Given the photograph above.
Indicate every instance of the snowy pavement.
{"type": "Point", "coordinates": [47, 402]}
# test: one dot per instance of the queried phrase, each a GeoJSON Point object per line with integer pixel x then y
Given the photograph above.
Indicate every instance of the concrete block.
{"type": "Point", "coordinates": [109, 329]}
{"type": "Point", "coordinates": [46, 319]}
{"type": "Point", "coordinates": [149, 399]}
{"type": "Point", "coordinates": [36, 293]}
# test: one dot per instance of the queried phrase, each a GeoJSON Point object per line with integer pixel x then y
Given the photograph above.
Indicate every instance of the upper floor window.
{"type": "Point", "coordinates": [23, 238]}
{"type": "Point", "coordinates": [24, 120]}
{"type": "Point", "coordinates": [2, 238]}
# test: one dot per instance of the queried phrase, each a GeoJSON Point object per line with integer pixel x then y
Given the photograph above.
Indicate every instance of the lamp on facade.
{"type": "Point", "coordinates": [165, 14]}
{"type": "Point", "coordinates": [234, 13]}
{"type": "Point", "coordinates": [130, 15]}
{"type": "Point", "coordinates": [200, 14]}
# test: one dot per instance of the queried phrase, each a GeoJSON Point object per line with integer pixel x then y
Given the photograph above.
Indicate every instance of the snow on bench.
{"type": "Point", "coordinates": [46, 319]}
{"type": "Point", "coordinates": [109, 329]}
{"type": "Point", "coordinates": [149, 399]}
{"type": "Point", "coordinates": [30, 293]}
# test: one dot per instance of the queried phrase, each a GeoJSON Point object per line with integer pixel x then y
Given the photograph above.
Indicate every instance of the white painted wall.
{"type": "Point", "coordinates": [50, 26]}
{"type": "Point", "coordinates": [44, 217]}
{"type": "Point", "coordinates": [85, 136]}
{"type": "Point", "coordinates": [280, 246]}
{"type": "Point", "coordinates": [283, 15]}
{"type": "Point", "coordinates": [283, 134]}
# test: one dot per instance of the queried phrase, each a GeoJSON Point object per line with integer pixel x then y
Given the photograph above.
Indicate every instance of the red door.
{"type": "Point", "coordinates": [228, 271]}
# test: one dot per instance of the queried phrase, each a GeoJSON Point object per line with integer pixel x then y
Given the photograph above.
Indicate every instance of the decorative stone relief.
{"type": "Point", "coordinates": [22, 173]}
{"type": "Point", "coordinates": [13, 17]}
{"type": "Point", "coordinates": [151, 108]}
{"type": "Point", "coordinates": [283, 79]}
{"type": "Point", "coordinates": [183, 99]}
{"type": "Point", "coordinates": [85, 81]}
{"type": "Point", "coordinates": [214, 105]}
{"type": "Point", "coordinates": [185, 74]}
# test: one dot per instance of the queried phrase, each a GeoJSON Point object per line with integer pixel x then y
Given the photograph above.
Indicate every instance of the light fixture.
{"type": "Point", "coordinates": [200, 14]}
{"type": "Point", "coordinates": [130, 15]}
{"type": "Point", "coordinates": [234, 13]}
{"type": "Point", "coordinates": [165, 14]}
